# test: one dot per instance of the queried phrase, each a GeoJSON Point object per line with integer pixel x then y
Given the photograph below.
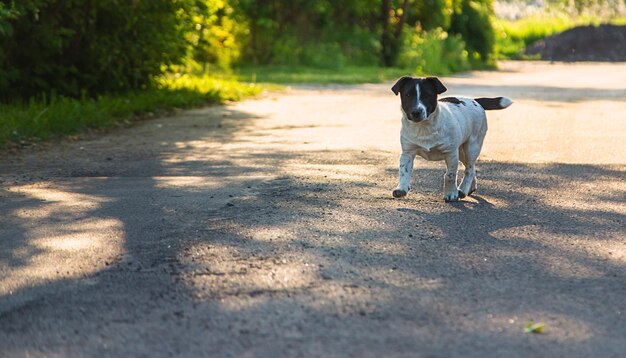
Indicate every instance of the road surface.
{"type": "Point", "coordinates": [267, 228]}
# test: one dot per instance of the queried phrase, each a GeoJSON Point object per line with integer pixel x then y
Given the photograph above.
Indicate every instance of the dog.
{"type": "Point", "coordinates": [450, 129]}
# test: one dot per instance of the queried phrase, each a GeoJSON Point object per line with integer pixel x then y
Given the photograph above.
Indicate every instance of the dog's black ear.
{"type": "Point", "coordinates": [439, 87]}
{"type": "Point", "coordinates": [399, 84]}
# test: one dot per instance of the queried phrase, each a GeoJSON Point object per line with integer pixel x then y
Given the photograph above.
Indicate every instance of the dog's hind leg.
{"type": "Point", "coordinates": [469, 152]}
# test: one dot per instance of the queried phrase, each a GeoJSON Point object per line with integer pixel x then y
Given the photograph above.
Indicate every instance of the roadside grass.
{"type": "Point", "coordinates": [513, 36]}
{"type": "Point", "coordinates": [305, 74]}
{"type": "Point", "coordinates": [41, 119]}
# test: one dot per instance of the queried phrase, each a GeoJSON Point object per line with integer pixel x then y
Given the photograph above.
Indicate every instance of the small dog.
{"type": "Point", "coordinates": [449, 129]}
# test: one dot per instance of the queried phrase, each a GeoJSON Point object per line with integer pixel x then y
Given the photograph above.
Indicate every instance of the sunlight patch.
{"type": "Point", "coordinates": [63, 252]}
{"type": "Point", "coordinates": [86, 235]}
{"type": "Point", "coordinates": [61, 239]}
{"type": "Point", "coordinates": [57, 202]}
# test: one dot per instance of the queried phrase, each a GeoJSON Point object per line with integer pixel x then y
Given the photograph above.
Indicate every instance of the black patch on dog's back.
{"type": "Point", "coordinates": [453, 100]}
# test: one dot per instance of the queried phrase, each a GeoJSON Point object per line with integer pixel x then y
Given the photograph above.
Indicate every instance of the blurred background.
{"type": "Point", "coordinates": [67, 65]}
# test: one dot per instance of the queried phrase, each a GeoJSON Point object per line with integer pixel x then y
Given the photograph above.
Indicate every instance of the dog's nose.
{"type": "Point", "coordinates": [415, 114]}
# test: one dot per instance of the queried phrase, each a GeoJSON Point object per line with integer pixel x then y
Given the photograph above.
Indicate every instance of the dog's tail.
{"type": "Point", "coordinates": [494, 103]}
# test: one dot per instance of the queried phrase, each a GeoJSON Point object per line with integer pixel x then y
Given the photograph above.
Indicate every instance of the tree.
{"type": "Point", "coordinates": [392, 20]}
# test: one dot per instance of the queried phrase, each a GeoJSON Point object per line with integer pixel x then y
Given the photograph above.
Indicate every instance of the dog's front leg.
{"type": "Point", "coordinates": [406, 168]}
{"type": "Point", "coordinates": [450, 191]}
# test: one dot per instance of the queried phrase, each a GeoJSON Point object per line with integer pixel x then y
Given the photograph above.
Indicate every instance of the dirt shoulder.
{"type": "Point", "coordinates": [267, 228]}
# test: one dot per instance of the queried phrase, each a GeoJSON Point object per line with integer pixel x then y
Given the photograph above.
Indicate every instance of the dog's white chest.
{"type": "Point", "coordinates": [424, 141]}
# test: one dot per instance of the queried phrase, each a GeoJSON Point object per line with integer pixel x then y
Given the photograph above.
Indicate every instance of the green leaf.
{"type": "Point", "coordinates": [534, 328]}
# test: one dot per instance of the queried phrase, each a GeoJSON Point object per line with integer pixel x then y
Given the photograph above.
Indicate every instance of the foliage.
{"type": "Point", "coordinates": [435, 53]}
{"type": "Point", "coordinates": [290, 74]}
{"type": "Point", "coordinates": [330, 34]}
{"type": "Point", "coordinates": [393, 17]}
{"type": "Point", "coordinates": [214, 33]}
{"type": "Point", "coordinates": [83, 48]}
{"type": "Point", "coordinates": [422, 14]}
{"type": "Point", "coordinates": [319, 33]}
{"type": "Point", "coordinates": [74, 47]}
{"type": "Point", "coordinates": [472, 20]}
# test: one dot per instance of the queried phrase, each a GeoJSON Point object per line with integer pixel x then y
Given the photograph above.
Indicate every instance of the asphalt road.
{"type": "Point", "coordinates": [267, 228]}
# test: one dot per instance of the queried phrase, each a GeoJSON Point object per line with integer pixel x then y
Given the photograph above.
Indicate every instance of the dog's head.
{"type": "Point", "coordinates": [418, 96]}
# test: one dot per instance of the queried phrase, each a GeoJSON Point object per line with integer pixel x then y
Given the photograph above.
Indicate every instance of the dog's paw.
{"type": "Point", "coordinates": [451, 197]}
{"type": "Point", "coordinates": [399, 193]}
{"type": "Point", "coordinates": [463, 195]}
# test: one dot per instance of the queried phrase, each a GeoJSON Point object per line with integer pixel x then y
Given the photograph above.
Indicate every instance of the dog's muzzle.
{"type": "Point", "coordinates": [417, 115]}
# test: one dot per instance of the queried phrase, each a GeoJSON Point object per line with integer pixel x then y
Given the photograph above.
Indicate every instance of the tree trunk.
{"type": "Point", "coordinates": [386, 37]}
{"type": "Point", "coordinates": [391, 38]}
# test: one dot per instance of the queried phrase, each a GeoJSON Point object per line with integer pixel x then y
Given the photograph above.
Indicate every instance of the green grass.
{"type": "Point", "coordinates": [38, 120]}
{"type": "Point", "coordinates": [304, 74]}
{"type": "Point", "coordinates": [512, 37]}
{"type": "Point", "coordinates": [41, 119]}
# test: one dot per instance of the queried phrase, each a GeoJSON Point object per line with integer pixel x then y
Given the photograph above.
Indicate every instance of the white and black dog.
{"type": "Point", "coordinates": [449, 129]}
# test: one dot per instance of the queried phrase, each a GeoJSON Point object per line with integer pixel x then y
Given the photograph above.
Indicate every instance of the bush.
{"type": "Point", "coordinates": [332, 50]}
{"type": "Point", "coordinates": [324, 34]}
{"type": "Point", "coordinates": [434, 52]}
{"type": "Point", "coordinates": [214, 34]}
{"type": "Point", "coordinates": [79, 48]}
{"type": "Point", "coordinates": [472, 20]}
